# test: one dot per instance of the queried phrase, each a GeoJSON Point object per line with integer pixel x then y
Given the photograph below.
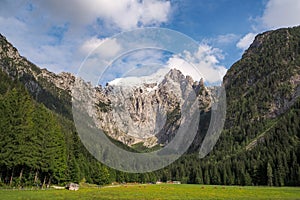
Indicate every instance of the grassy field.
{"type": "Point", "coordinates": [163, 191]}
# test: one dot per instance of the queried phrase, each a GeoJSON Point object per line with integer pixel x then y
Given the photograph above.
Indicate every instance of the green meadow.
{"type": "Point", "coordinates": [162, 191]}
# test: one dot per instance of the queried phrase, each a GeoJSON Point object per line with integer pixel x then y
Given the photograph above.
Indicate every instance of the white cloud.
{"type": "Point", "coordinates": [155, 12]}
{"type": "Point", "coordinates": [124, 14]}
{"type": "Point", "coordinates": [36, 46]}
{"type": "Point", "coordinates": [281, 13]}
{"type": "Point", "coordinates": [109, 49]}
{"type": "Point", "coordinates": [176, 62]}
{"type": "Point", "coordinates": [90, 45]}
{"type": "Point", "coordinates": [246, 41]}
{"type": "Point", "coordinates": [27, 24]}
{"type": "Point", "coordinates": [202, 64]}
{"type": "Point", "coordinates": [276, 14]}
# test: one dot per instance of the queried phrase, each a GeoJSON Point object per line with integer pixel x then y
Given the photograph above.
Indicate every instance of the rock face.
{"type": "Point", "coordinates": [148, 113]}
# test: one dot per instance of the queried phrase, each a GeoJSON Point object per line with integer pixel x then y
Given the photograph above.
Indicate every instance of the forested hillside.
{"type": "Point", "coordinates": [260, 141]}
{"type": "Point", "coordinates": [258, 146]}
{"type": "Point", "coordinates": [37, 145]}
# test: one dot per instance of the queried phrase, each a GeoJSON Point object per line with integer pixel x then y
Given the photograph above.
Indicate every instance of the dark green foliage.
{"type": "Point", "coordinates": [15, 127]}
{"type": "Point", "coordinates": [50, 142]}
{"type": "Point", "coordinates": [39, 147]}
{"type": "Point", "coordinates": [31, 139]}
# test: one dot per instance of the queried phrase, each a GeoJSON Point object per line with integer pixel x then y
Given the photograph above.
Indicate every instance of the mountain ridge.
{"type": "Point", "coordinates": [41, 82]}
{"type": "Point", "coordinates": [260, 141]}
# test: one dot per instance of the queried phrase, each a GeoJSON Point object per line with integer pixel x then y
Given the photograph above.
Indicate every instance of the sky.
{"type": "Point", "coordinates": [60, 34]}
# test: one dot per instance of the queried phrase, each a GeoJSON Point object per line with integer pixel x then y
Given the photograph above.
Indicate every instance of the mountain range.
{"type": "Point", "coordinates": [258, 146]}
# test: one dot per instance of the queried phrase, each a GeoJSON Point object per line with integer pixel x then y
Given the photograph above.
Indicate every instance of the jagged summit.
{"type": "Point", "coordinates": [175, 74]}
{"type": "Point", "coordinates": [155, 78]}
{"type": "Point", "coordinates": [147, 102]}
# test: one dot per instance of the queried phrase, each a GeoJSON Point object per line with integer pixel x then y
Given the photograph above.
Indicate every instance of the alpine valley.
{"type": "Point", "coordinates": [259, 144]}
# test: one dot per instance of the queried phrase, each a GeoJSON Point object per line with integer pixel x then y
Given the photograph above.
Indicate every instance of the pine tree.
{"type": "Point", "coordinates": [247, 179]}
{"type": "Point", "coordinates": [206, 177]}
{"type": "Point", "coordinates": [199, 177]}
{"type": "Point", "coordinates": [270, 174]}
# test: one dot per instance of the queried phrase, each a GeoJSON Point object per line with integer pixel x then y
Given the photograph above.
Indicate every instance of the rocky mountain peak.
{"type": "Point", "coordinates": [7, 50]}
{"type": "Point", "coordinates": [139, 113]}
{"type": "Point", "coordinates": [175, 75]}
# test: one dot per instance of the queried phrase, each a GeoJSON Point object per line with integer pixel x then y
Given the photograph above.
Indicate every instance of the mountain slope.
{"type": "Point", "coordinates": [264, 83]}
{"type": "Point", "coordinates": [39, 143]}
{"type": "Point", "coordinates": [260, 141]}
{"type": "Point", "coordinates": [46, 87]}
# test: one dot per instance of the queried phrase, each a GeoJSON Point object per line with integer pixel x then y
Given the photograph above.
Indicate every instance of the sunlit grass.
{"type": "Point", "coordinates": [163, 191]}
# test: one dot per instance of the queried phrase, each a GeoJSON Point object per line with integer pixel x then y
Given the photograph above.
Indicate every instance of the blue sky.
{"type": "Point", "coordinates": [58, 35]}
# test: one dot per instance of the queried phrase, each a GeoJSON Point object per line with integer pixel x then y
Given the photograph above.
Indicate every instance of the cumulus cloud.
{"type": "Point", "coordinates": [124, 14]}
{"type": "Point", "coordinates": [246, 41]}
{"type": "Point", "coordinates": [29, 25]}
{"type": "Point", "coordinates": [279, 13]}
{"type": "Point", "coordinates": [203, 63]}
